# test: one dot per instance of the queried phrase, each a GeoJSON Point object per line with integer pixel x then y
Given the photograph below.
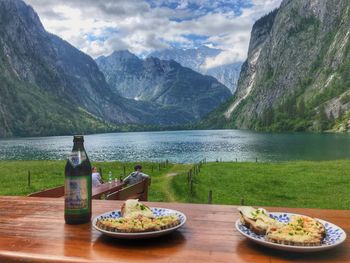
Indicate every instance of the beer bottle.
{"type": "Point", "coordinates": [77, 185]}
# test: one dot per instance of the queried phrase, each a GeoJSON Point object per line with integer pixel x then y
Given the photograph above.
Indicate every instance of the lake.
{"type": "Point", "coordinates": [185, 146]}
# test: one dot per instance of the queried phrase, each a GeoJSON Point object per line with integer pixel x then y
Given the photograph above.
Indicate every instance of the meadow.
{"type": "Point", "coordinates": [323, 184]}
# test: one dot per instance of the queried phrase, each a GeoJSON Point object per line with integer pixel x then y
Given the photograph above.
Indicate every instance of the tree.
{"type": "Point", "coordinates": [301, 109]}
{"type": "Point", "coordinates": [322, 118]}
{"type": "Point", "coordinates": [340, 112]}
{"type": "Point", "coordinates": [268, 117]}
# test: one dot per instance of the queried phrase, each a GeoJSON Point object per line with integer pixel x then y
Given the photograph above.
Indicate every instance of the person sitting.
{"type": "Point", "coordinates": [136, 176]}
{"type": "Point", "coordinates": [96, 177]}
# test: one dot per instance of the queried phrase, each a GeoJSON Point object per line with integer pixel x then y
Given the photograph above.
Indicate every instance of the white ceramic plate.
{"type": "Point", "coordinates": [156, 211]}
{"type": "Point", "coordinates": [334, 235]}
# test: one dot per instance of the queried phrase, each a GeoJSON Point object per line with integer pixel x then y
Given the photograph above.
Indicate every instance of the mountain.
{"type": "Point", "coordinates": [296, 76]}
{"type": "Point", "coordinates": [195, 58]}
{"type": "Point", "coordinates": [49, 87]}
{"type": "Point", "coordinates": [162, 82]}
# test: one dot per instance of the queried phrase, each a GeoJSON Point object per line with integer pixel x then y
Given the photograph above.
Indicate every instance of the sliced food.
{"type": "Point", "coordinates": [300, 231]}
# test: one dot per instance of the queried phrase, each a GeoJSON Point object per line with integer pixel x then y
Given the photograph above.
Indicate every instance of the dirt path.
{"type": "Point", "coordinates": [170, 174]}
{"type": "Point", "coordinates": [166, 180]}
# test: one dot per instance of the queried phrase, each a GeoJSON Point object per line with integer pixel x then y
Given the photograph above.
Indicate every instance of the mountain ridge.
{"type": "Point", "coordinates": [195, 58]}
{"type": "Point", "coordinates": [163, 82]}
{"type": "Point", "coordinates": [51, 88]}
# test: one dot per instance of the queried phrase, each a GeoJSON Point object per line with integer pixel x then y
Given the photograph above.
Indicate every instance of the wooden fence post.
{"type": "Point", "coordinates": [242, 201]}
{"type": "Point", "coordinates": [100, 171]}
{"type": "Point", "coordinates": [159, 167]}
{"type": "Point", "coordinates": [124, 170]}
{"type": "Point", "coordinates": [191, 186]}
{"type": "Point", "coordinates": [210, 197]}
{"type": "Point", "coordinates": [152, 167]}
{"type": "Point", "coordinates": [28, 178]}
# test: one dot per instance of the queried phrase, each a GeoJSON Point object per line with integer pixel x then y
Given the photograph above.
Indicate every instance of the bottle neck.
{"type": "Point", "coordinates": [78, 146]}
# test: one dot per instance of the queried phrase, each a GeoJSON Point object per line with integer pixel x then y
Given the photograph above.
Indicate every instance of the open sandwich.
{"type": "Point", "coordinates": [136, 218]}
{"type": "Point", "coordinates": [300, 231]}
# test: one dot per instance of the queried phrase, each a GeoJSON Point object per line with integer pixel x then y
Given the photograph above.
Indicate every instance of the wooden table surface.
{"type": "Point", "coordinates": [106, 188]}
{"type": "Point", "coordinates": [33, 230]}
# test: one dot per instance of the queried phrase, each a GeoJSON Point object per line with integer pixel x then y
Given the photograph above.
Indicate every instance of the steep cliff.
{"type": "Point", "coordinates": [296, 76]}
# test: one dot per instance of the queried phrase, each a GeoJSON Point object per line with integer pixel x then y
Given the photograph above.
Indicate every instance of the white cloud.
{"type": "Point", "coordinates": [99, 27]}
{"type": "Point", "coordinates": [235, 43]}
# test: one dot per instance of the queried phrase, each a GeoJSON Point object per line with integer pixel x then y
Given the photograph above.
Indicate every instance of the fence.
{"type": "Point", "coordinates": [195, 170]}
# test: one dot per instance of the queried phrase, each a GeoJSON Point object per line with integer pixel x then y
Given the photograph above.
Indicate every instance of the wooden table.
{"type": "Point", "coordinates": [97, 192]}
{"type": "Point", "coordinates": [106, 188]}
{"type": "Point", "coordinates": [33, 230]}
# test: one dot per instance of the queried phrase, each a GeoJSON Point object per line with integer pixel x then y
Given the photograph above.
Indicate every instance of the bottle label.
{"type": "Point", "coordinates": [76, 158]}
{"type": "Point", "coordinates": [77, 194]}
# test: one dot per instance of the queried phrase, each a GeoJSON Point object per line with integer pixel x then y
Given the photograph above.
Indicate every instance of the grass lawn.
{"type": "Point", "coordinates": [293, 184]}
{"type": "Point", "coordinates": [47, 174]}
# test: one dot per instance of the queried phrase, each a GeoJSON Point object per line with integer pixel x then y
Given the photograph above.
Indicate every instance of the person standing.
{"type": "Point", "coordinates": [96, 177]}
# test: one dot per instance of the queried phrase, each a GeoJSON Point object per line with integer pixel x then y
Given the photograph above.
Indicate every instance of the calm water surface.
{"type": "Point", "coordinates": [185, 146]}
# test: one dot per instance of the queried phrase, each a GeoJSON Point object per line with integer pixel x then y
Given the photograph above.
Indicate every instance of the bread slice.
{"type": "Point", "coordinates": [132, 208]}
{"type": "Point", "coordinates": [256, 219]}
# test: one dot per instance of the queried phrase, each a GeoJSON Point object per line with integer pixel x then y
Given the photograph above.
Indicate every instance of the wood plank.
{"type": "Point", "coordinates": [136, 191]}
{"type": "Point", "coordinates": [101, 191]}
{"type": "Point", "coordinates": [52, 192]}
{"type": "Point", "coordinates": [97, 192]}
{"type": "Point", "coordinates": [33, 229]}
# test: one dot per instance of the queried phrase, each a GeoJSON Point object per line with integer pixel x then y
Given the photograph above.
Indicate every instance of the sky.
{"type": "Point", "coordinates": [99, 27]}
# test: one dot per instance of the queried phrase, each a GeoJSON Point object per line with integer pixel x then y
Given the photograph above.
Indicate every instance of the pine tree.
{"type": "Point", "coordinates": [322, 118]}
{"type": "Point", "coordinates": [301, 108]}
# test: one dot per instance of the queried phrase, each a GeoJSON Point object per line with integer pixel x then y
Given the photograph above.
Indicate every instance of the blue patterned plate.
{"type": "Point", "coordinates": [334, 235]}
{"type": "Point", "coordinates": [156, 211]}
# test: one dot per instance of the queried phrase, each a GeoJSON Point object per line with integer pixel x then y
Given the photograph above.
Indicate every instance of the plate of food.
{"type": "Point", "coordinates": [287, 231]}
{"type": "Point", "coordinates": [135, 220]}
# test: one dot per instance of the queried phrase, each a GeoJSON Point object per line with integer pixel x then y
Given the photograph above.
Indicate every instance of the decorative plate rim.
{"type": "Point", "coordinates": [140, 234]}
{"type": "Point", "coordinates": [291, 247]}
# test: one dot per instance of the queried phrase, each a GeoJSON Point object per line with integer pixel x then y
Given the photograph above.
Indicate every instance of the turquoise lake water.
{"type": "Point", "coordinates": [185, 146]}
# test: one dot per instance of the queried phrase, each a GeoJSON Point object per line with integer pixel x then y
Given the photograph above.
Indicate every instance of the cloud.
{"type": "Point", "coordinates": [235, 43]}
{"type": "Point", "coordinates": [99, 27]}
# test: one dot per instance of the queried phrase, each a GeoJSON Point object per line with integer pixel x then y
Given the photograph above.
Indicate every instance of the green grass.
{"type": "Point", "coordinates": [292, 184]}
{"type": "Point", "coordinates": [47, 174]}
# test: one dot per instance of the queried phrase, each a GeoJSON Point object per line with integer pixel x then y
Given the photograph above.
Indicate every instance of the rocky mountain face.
{"type": "Point", "coordinates": [49, 87]}
{"type": "Point", "coordinates": [194, 58]}
{"type": "Point", "coordinates": [296, 76]}
{"type": "Point", "coordinates": [162, 82]}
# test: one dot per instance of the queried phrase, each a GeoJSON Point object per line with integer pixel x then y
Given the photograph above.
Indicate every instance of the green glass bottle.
{"type": "Point", "coordinates": [77, 185]}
